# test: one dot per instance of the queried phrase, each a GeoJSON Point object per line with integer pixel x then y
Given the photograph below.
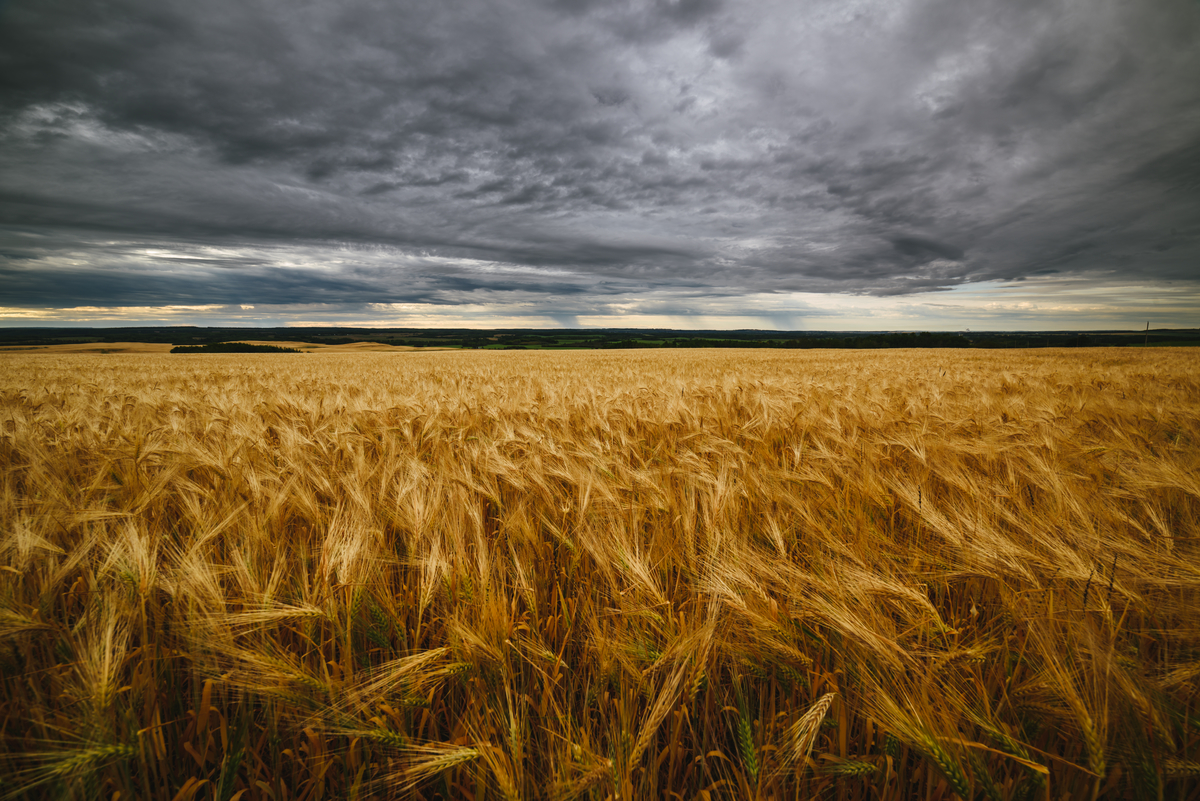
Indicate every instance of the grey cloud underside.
{"type": "Point", "coordinates": [80, 288]}
{"type": "Point", "coordinates": [610, 148]}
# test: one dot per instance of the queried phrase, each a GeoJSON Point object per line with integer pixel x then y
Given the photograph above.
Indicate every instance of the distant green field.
{"type": "Point", "coordinates": [1186, 343]}
{"type": "Point", "coordinates": [608, 338]}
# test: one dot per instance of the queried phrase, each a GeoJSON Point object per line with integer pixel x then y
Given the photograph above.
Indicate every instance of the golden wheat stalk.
{"type": "Point", "coordinates": [425, 761]}
{"type": "Point", "coordinates": [801, 735]}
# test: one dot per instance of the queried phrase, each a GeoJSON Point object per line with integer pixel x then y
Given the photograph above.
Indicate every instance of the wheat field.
{"type": "Point", "coordinates": [601, 575]}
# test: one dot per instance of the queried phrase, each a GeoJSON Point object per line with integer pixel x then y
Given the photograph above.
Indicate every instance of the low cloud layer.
{"type": "Point", "coordinates": [580, 160]}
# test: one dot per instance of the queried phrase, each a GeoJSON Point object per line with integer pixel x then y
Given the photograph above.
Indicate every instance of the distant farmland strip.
{"type": "Point", "coordinates": [232, 347]}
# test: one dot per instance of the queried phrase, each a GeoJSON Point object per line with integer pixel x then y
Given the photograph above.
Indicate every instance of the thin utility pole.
{"type": "Point", "coordinates": [1147, 342]}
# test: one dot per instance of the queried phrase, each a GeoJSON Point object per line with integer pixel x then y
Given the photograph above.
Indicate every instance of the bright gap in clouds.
{"type": "Point", "coordinates": [1029, 305]}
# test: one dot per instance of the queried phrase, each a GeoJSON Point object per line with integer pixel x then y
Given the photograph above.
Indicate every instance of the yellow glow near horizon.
{"type": "Point", "coordinates": [1043, 304]}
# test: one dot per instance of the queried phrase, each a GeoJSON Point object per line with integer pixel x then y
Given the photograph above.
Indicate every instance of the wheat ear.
{"type": "Point", "coordinates": [803, 733]}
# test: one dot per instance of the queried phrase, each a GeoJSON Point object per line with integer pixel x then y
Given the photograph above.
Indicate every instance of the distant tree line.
{"type": "Point", "coordinates": [922, 340]}
{"type": "Point", "coordinates": [575, 339]}
{"type": "Point", "coordinates": [232, 347]}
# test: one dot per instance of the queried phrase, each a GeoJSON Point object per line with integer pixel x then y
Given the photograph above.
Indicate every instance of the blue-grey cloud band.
{"type": "Point", "coordinates": [571, 153]}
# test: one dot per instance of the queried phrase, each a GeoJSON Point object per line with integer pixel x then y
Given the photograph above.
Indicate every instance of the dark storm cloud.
{"type": "Point", "coordinates": [582, 147]}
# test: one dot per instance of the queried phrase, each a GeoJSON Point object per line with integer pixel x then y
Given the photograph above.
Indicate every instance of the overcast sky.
{"type": "Point", "coordinates": [794, 164]}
